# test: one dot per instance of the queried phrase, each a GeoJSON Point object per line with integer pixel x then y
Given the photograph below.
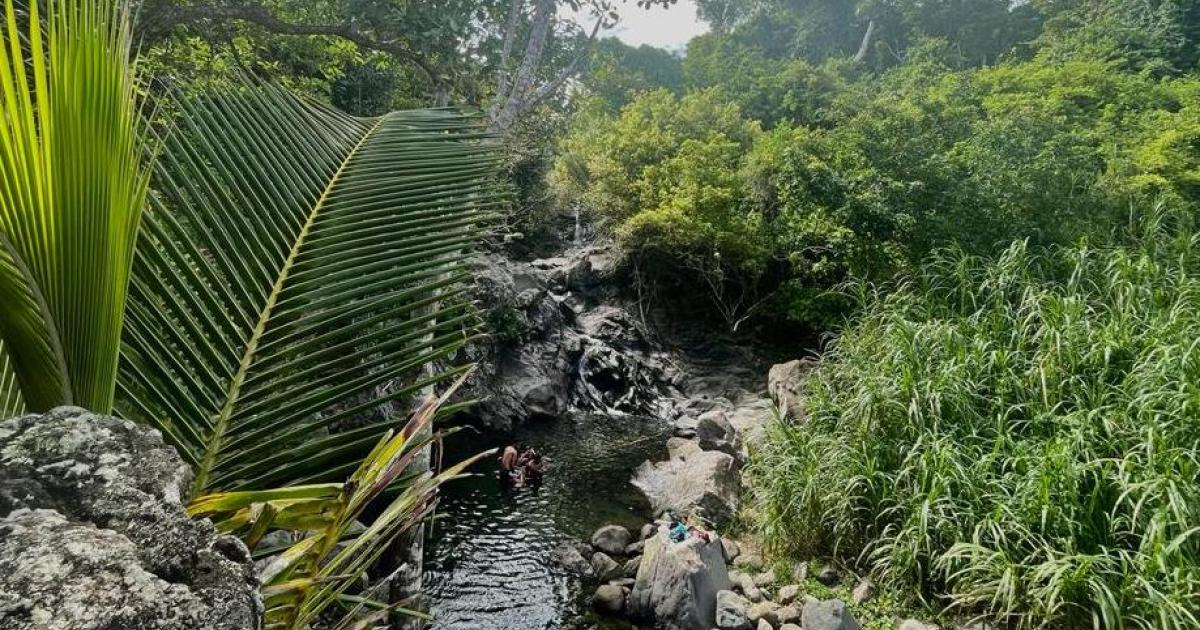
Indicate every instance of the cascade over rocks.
{"type": "Point", "coordinates": [556, 347]}
{"type": "Point", "coordinates": [93, 533]}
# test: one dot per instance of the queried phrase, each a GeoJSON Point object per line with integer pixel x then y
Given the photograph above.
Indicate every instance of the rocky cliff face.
{"type": "Point", "coordinates": [562, 342]}
{"type": "Point", "coordinates": [93, 533]}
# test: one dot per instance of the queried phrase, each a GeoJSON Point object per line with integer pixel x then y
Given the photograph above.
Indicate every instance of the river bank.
{"type": "Point", "coordinates": [639, 419]}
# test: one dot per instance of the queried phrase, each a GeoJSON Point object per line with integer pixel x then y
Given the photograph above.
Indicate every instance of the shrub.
{"type": "Point", "coordinates": [1016, 436]}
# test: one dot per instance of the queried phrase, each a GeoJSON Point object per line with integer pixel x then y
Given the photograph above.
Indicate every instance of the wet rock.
{"type": "Point", "coordinates": [611, 539]}
{"type": "Point", "coordinates": [635, 548]}
{"type": "Point", "coordinates": [677, 583]}
{"type": "Point", "coordinates": [749, 562]}
{"type": "Point", "coordinates": [827, 615]}
{"type": "Point", "coordinates": [623, 582]}
{"type": "Point", "coordinates": [93, 533]}
{"type": "Point", "coordinates": [785, 383]}
{"type": "Point", "coordinates": [731, 549]}
{"type": "Point", "coordinates": [609, 599]}
{"type": "Point", "coordinates": [568, 557]}
{"type": "Point", "coordinates": [732, 612]}
{"type": "Point", "coordinates": [705, 484]}
{"type": "Point", "coordinates": [788, 614]}
{"type": "Point", "coordinates": [714, 433]}
{"type": "Point", "coordinates": [788, 594]}
{"type": "Point", "coordinates": [630, 568]}
{"type": "Point", "coordinates": [829, 576]}
{"type": "Point", "coordinates": [764, 610]}
{"type": "Point", "coordinates": [913, 624]}
{"type": "Point", "coordinates": [549, 352]}
{"type": "Point", "coordinates": [685, 433]}
{"type": "Point", "coordinates": [604, 567]}
{"type": "Point", "coordinates": [864, 591]}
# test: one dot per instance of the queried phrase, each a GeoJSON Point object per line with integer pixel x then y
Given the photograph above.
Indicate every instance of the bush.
{"type": "Point", "coordinates": [1015, 436]}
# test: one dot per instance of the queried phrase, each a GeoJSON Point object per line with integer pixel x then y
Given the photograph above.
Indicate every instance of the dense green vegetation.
{"type": "Point", "coordinates": [993, 203]}
{"type": "Point", "coordinates": [781, 171]}
{"type": "Point", "coordinates": [1015, 436]}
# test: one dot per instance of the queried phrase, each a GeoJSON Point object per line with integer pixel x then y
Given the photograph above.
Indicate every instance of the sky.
{"type": "Point", "coordinates": [668, 28]}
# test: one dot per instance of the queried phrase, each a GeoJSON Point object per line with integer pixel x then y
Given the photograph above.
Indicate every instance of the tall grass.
{"type": "Point", "coordinates": [1017, 438]}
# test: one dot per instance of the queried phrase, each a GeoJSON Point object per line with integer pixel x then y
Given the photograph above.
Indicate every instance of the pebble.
{"type": "Point", "coordinates": [864, 591]}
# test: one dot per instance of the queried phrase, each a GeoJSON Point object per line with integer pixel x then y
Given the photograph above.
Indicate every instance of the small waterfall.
{"type": "Point", "coordinates": [578, 237]}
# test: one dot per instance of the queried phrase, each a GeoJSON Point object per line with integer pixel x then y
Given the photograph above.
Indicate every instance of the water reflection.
{"type": "Point", "coordinates": [488, 565]}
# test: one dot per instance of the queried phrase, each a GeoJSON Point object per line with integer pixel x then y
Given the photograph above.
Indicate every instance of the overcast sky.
{"type": "Point", "coordinates": [668, 28]}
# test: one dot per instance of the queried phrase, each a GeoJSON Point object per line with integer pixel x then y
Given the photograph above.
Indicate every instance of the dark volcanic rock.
{"type": "Point", "coordinates": [93, 533]}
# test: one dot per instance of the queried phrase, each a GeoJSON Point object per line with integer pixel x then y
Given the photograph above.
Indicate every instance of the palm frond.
{"type": "Point", "coordinates": [72, 188]}
{"type": "Point", "coordinates": [299, 267]}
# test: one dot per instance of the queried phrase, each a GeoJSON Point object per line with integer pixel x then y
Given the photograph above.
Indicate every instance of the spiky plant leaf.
{"type": "Point", "coordinates": [305, 579]}
{"type": "Point", "coordinates": [72, 188]}
{"type": "Point", "coordinates": [295, 262]}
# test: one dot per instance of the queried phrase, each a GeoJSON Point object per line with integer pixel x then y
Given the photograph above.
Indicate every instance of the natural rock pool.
{"type": "Point", "coordinates": [488, 564]}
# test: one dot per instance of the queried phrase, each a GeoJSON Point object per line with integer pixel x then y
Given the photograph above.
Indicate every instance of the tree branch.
{"type": "Point", "coordinates": [546, 90]}
{"type": "Point", "coordinates": [510, 37]}
{"type": "Point", "coordinates": [156, 23]}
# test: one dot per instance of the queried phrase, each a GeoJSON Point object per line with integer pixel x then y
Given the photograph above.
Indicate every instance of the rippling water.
{"type": "Point", "coordinates": [488, 564]}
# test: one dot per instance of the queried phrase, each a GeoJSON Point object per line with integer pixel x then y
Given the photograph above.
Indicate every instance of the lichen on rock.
{"type": "Point", "coordinates": [93, 533]}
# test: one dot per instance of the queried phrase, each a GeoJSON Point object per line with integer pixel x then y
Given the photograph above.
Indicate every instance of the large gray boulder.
{"type": "Point", "coordinates": [93, 533]}
{"type": "Point", "coordinates": [785, 383]}
{"type": "Point", "coordinates": [715, 433]}
{"type": "Point", "coordinates": [827, 615]}
{"type": "Point", "coordinates": [733, 611]}
{"type": "Point", "coordinates": [705, 484]}
{"type": "Point", "coordinates": [611, 539]}
{"type": "Point", "coordinates": [677, 583]}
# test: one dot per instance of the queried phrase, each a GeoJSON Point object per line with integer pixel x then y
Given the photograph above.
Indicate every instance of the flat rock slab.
{"type": "Point", "coordinates": [704, 483]}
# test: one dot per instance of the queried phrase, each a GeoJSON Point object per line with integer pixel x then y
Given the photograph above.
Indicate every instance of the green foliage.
{"type": "Point", "coordinates": [768, 90]}
{"type": "Point", "coordinates": [664, 176]}
{"type": "Point", "coordinates": [1014, 437]}
{"type": "Point", "coordinates": [316, 572]}
{"type": "Point", "coordinates": [1159, 36]}
{"type": "Point", "coordinates": [620, 71]}
{"type": "Point", "coordinates": [298, 267]}
{"type": "Point", "coordinates": [72, 188]}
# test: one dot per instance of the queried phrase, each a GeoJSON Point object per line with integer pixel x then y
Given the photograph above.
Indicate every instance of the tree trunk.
{"type": "Point", "coordinates": [512, 104]}
{"type": "Point", "coordinates": [865, 46]}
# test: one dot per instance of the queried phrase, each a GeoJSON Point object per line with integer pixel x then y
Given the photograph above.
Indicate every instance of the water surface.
{"type": "Point", "coordinates": [488, 564]}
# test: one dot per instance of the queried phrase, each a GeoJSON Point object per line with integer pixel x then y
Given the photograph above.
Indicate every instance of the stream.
{"type": "Point", "coordinates": [487, 564]}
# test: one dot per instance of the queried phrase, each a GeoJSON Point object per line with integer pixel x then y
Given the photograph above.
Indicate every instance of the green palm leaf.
{"type": "Point", "coordinates": [298, 267]}
{"type": "Point", "coordinates": [11, 403]}
{"type": "Point", "coordinates": [72, 188]}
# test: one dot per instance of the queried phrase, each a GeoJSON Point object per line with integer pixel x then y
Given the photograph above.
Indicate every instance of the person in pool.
{"type": "Point", "coordinates": [535, 467]}
{"type": "Point", "coordinates": [509, 469]}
